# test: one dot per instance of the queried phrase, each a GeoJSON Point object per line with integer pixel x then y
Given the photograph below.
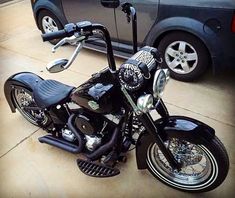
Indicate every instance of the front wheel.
{"type": "Point", "coordinates": [205, 165]}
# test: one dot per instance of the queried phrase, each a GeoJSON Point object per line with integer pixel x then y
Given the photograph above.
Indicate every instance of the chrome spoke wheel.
{"type": "Point", "coordinates": [199, 167]}
{"type": "Point", "coordinates": [23, 99]}
{"type": "Point", "coordinates": [49, 25]}
{"type": "Point", "coordinates": [181, 57]}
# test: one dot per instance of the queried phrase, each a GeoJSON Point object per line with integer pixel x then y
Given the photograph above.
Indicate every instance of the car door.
{"type": "Point", "coordinates": [147, 12]}
{"type": "Point", "coordinates": [90, 10]}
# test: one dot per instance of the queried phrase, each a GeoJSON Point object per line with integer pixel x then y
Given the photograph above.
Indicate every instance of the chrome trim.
{"type": "Point", "coordinates": [128, 97]}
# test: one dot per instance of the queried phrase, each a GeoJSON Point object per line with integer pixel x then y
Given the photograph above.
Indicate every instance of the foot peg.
{"type": "Point", "coordinates": [95, 169]}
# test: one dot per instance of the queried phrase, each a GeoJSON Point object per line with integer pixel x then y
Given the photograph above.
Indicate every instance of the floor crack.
{"type": "Point", "coordinates": [20, 142]}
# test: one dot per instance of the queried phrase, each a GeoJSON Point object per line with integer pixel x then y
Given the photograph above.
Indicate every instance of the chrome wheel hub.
{"type": "Point", "coordinates": [24, 100]}
{"type": "Point", "coordinates": [181, 57]}
{"type": "Point", "coordinates": [49, 25]}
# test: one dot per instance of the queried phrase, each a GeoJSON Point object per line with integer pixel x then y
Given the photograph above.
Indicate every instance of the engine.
{"type": "Point", "coordinates": [88, 124]}
{"type": "Point", "coordinates": [92, 128]}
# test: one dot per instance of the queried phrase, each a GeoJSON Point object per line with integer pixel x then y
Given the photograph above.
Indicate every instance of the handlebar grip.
{"type": "Point", "coordinates": [54, 35]}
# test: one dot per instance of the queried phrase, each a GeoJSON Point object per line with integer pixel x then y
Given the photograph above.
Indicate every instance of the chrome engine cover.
{"type": "Point", "coordinates": [92, 142]}
{"type": "Point", "coordinates": [68, 135]}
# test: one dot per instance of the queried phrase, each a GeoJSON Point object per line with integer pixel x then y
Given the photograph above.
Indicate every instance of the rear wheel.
{"type": "Point", "coordinates": [205, 165]}
{"type": "Point", "coordinates": [48, 23]}
{"type": "Point", "coordinates": [23, 99]}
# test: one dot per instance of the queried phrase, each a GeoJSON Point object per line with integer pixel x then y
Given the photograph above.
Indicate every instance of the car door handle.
{"type": "Point", "coordinates": [110, 3]}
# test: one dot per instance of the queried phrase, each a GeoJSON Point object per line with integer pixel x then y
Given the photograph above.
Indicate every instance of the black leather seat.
{"type": "Point", "coordinates": [51, 92]}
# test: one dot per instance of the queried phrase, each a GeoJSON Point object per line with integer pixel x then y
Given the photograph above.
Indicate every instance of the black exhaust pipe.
{"type": "Point", "coordinates": [79, 136]}
{"type": "Point", "coordinates": [62, 144]}
{"type": "Point", "coordinates": [59, 143]}
{"type": "Point", "coordinates": [104, 148]}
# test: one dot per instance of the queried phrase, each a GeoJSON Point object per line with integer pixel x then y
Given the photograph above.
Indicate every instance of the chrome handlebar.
{"type": "Point", "coordinates": [78, 34]}
{"type": "Point", "coordinates": [62, 64]}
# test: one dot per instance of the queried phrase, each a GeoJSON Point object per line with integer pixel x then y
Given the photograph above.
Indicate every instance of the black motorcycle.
{"type": "Point", "coordinates": [109, 115]}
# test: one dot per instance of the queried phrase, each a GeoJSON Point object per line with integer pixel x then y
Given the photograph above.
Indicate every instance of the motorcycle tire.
{"type": "Point", "coordinates": [213, 171]}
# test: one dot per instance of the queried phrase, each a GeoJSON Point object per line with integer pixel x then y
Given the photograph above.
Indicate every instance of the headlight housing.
{"type": "Point", "coordinates": [145, 103]}
{"type": "Point", "coordinates": [137, 69]}
{"type": "Point", "coordinates": [161, 77]}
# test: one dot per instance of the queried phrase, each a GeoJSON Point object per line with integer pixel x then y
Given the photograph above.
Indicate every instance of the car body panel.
{"type": "Point", "coordinates": [209, 20]}
{"type": "Point", "coordinates": [54, 6]}
{"type": "Point", "coordinates": [202, 3]}
{"type": "Point", "coordinates": [210, 25]}
{"type": "Point", "coordinates": [146, 16]}
{"type": "Point", "coordinates": [90, 10]}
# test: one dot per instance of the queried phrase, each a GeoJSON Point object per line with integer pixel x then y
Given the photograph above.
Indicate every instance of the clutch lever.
{"type": "Point", "coordinates": [72, 40]}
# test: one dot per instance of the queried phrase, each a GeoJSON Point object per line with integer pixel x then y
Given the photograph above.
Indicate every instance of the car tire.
{"type": "Point", "coordinates": [48, 22]}
{"type": "Point", "coordinates": [185, 55]}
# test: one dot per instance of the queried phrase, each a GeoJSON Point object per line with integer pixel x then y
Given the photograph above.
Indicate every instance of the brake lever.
{"type": "Point", "coordinates": [60, 43]}
{"type": "Point", "coordinates": [72, 40]}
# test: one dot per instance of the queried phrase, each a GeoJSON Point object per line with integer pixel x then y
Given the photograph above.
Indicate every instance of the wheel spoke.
{"type": "Point", "coordinates": [44, 20]}
{"type": "Point", "coordinates": [170, 51]}
{"type": "Point", "coordinates": [54, 24]}
{"type": "Point", "coordinates": [191, 56]}
{"type": "Point", "coordinates": [50, 21]}
{"type": "Point", "coordinates": [24, 99]}
{"type": "Point", "coordinates": [182, 46]}
{"type": "Point", "coordinates": [194, 171]}
{"type": "Point", "coordinates": [174, 63]}
{"type": "Point", "coordinates": [46, 25]}
{"type": "Point", "coordinates": [185, 66]}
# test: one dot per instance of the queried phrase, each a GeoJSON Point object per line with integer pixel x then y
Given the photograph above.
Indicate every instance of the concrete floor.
{"type": "Point", "coordinates": [31, 169]}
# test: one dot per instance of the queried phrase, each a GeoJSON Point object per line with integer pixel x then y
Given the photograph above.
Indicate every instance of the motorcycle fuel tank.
{"type": "Point", "coordinates": [99, 94]}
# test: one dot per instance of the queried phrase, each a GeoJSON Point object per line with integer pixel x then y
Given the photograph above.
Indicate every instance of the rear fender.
{"type": "Point", "coordinates": [24, 79]}
{"type": "Point", "coordinates": [177, 127]}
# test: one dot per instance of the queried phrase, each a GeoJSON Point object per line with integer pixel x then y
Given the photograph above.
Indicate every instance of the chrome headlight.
{"type": "Point", "coordinates": [160, 79]}
{"type": "Point", "coordinates": [145, 103]}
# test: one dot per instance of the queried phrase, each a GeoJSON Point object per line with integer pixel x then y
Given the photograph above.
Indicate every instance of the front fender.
{"type": "Point", "coordinates": [24, 79]}
{"type": "Point", "coordinates": [177, 127]}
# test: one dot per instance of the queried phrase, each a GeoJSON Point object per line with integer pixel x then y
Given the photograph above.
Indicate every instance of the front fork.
{"type": "Point", "coordinates": [149, 125]}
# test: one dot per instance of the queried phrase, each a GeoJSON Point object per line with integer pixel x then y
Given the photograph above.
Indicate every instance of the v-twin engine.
{"type": "Point", "coordinates": [91, 129]}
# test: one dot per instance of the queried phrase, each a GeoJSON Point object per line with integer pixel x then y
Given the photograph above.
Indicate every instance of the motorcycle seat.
{"type": "Point", "coordinates": [51, 92]}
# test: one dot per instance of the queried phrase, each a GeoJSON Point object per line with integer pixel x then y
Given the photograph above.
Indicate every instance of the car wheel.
{"type": "Point", "coordinates": [185, 56]}
{"type": "Point", "coordinates": [48, 23]}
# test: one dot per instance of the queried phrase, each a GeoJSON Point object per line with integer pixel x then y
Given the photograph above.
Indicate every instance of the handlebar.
{"type": "Point", "coordinates": [85, 29]}
{"type": "Point", "coordinates": [54, 35]}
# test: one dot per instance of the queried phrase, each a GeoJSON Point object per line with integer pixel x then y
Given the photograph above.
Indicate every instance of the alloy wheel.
{"type": "Point", "coordinates": [49, 25]}
{"type": "Point", "coordinates": [181, 57]}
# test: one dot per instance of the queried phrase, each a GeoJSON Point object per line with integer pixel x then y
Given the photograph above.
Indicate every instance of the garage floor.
{"type": "Point", "coordinates": [30, 169]}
